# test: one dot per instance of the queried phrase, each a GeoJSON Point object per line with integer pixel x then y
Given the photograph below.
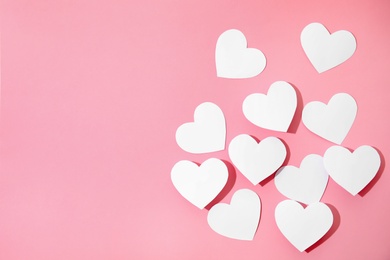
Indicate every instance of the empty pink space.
{"type": "Point", "coordinates": [92, 93]}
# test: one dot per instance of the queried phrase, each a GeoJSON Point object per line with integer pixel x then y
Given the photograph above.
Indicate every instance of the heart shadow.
{"type": "Point", "coordinates": [298, 112]}
{"type": "Point", "coordinates": [332, 230]}
{"type": "Point", "coordinates": [228, 186]}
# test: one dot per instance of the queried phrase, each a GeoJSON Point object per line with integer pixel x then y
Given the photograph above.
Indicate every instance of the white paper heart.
{"type": "Point", "coordinates": [333, 121]}
{"type": "Point", "coordinates": [303, 227]}
{"type": "Point", "coordinates": [240, 219]}
{"type": "Point", "coordinates": [352, 171]}
{"type": "Point", "coordinates": [206, 134]}
{"type": "Point", "coordinates": [305, 184]}
{"type": "Point", "coordinates": [273, 111]}
{"type": "Point", "coordinates": [257, 161]}
{"type": "Point", "coordinates": [199, 185]}
{"type": "Point", "coordinates": [234, 60]}
{"type": "Point", "coordinates": [325, 50]}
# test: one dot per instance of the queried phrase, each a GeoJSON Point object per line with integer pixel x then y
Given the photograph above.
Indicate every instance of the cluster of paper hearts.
{"type": "Point", "coordinates": [257, 160]}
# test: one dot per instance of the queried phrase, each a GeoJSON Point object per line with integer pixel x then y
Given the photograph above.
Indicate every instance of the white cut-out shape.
{"type": "Point", "coordinates": [257, 161]}
{"type": "Point", "coordinates": [273, 111]}
{"type": "Point", "coordinates": [206, 134]}
{"type": "Point", "coordinates": [352, 171]}
{"type": "Point", "coordinates": [199, 184]}
{"type": "Point", "coordinates": [240, 219]}
{"type": "Point", "coordinates": [332, 121]}
{"type": "Point", "coordinates": [303, 226]}
{"type": "Point", "coordinates": [305, 184]}
{"type": "Point", "coordinates": [234, 60]}
{"type": "Point", "coordinates": [325, 50]}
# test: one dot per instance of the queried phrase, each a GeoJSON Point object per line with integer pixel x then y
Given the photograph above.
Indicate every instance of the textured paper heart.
{"type": "Point", "coordinates": [305, 184]}
{"type": "Point", "coordinates": [273, 111]}
{"type": "Point", "coordinates": [240, 219]}
{"type": "Point", "coordinates": [325, 50]}
{"type": "Point", "coordinates": [199, 185]}
{"type": "Point", "coordinates": [303, 227]}
{"type": "Point", "coordinates": [333, 121]}
{"type": "Point", "coordinates": [352, 171]}
{"type": "Point", "coordinates": [257, 161]}
{"type": "Point", "coordinates": [206, 134]}
{"type": "Point", "coordinates": [234, 60]}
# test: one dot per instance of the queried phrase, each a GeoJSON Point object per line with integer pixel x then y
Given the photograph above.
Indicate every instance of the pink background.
{"type": "Point", "coordinates": [93, 92]}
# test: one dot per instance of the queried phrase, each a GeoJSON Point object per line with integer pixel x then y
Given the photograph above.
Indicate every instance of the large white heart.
{"type": "Point", "coordinates": [199, 184]}
{"type": "Point", "coordinates": [240, 219]}
{"type": "Point", "coordinates": [206, 134]}
{"type": "Point", "coordinates": [303, 227]}
{"type": "Point", "coordinates": [234, 60]}
{"type": "Point", "coordinates": [325, 50]}
{"type": "Point", "coordinates": [333, 121]}
{"type": "Point", "coordinates": [273, 111]}
{"type": "Point", "coordinates": [305, 184]}
{"type": "Point", "coordinates": [352, 171]}
{"type": "Point", "coordinates": [257, 161]}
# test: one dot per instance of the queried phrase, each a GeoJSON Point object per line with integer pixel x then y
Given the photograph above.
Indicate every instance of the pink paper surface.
{"type": "Point", "coordinates": [93, 92]}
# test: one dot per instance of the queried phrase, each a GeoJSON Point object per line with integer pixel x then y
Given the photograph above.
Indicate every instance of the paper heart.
{"type": "Point", "coordinates": [325, 50]}
{"type": "Point", "coordinates": [234, 60]}
{"type": "Point", "coordinates": [199, 184]}
{"type": "Point", "coordinates": [352, 171]}
{"type": "Point", "coordinates": [303, 227]}
{"type": "Point", "coordinates": [240, 219]}
{"type": "Point", "coordinates": [206, 134]}
{"type": "Point", "coordinates": [305, 184]}
{"type": "Point", "coordinates": [273, 111]}
{"type": "Point", "coordinates": [257, 161]}
{"type": "Point", "coordinates": [333, 121]}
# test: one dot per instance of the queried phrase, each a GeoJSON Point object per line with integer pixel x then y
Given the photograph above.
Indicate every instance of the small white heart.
{"type": "Point", "coordinates": [305, 184]}
{"type": "Point", "coordinates": [273, 111]}
{"type": "Point", "coordinates": [332, 121]}
{"type": "Point", "coordinates": [199, 185]}
{"type": "Point", "coordinates": [257, 161]}
{"type": "Point", "coordinates": [325, 50]}
{"type": "Point", "coordinates": [206, 134]}
{"type": "Point", "coordinates": [240, 219]}
{"type": "Point", "coordinates": [234, 60]}
{"type": "Point", "coordinates": [303, 227]}
{"type": "Point", "coordinates": [352, 171]}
